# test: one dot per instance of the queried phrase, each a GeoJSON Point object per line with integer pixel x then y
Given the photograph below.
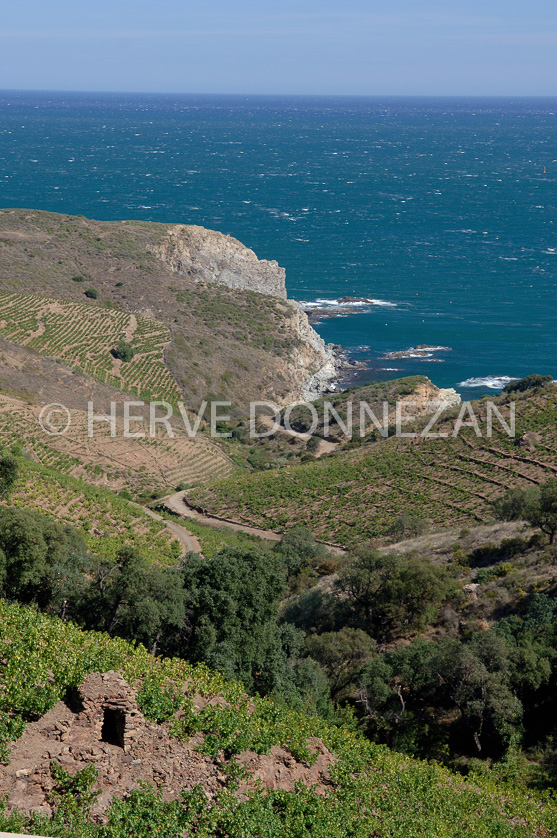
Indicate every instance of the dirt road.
{"type": "Point", "coordinates": [190, 542]}
{"type": "Point", "coordinates": [177, 503]}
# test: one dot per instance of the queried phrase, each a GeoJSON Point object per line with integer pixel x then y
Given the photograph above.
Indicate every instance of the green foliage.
{"type": "Point", "coordinates": [73, 796]}
{"type": "Point", "coordinates": [10, 728]}
{"type": "Point", "coordinates": [124, 351]}
{"type": "Point", "coordinates": [92, 510]}
{"type": "Point", "coordinates": [299, 551]}
{"type": "Point", "coordinates": [159, 699]}
{"type": "Point", "coordinates": [375, 792]}
{"type": "Point", "coordinates": [543, 512]}
{"type": "Point", "coordinates": [514, 504]}
{"type": "Point", "coordinates": [224, 612]}
{"type": "Point", "coordinates": [530, 382]}
{"type": "Point", "coordinates": [536, 505]}
{"type": "Point", "coordinates": [342, 654]}
{"type": "Point", "coordinates": [312, 444]}
{"type": "Point", "coordinates": [407, 690]}
{"type": "Point", "coordinates": [40, 560]}
{"type": "Point", "coordinates": [214, 539]}
{"type": "Point", "coordinates": [134, 599]}
{"type": "Point", "coordinates": [9, 471]}
{"type": "Point", "coordinates": [355, 493]}
{"type": "Point", "coordinates": [233, 603]}
{"type": "Point", "coordinates": [92, 293]}
{"type": "Point", "coordinates": [44, 563]}
{"type": "Point", "coordinates": [78, 278]}
{"type": "Point", "coordinates": [387, 592]}
{"type": "Point", "coordinates": [242, 727]}
{"type": "Point", "coordinates": [408, 526]}
{"type": "Point", "coordinates": [81, 336]}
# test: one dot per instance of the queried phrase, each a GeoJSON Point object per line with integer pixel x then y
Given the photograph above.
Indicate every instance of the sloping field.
{"type": "Point", "coordinates": [117, 462]}
{"type": "Point", "coordinates": [233, 343]}
{"type": "Point", "coordinates": [82, 336]}
{"type": "Point", "coordinates": [357, 494]}
{"type": "Point", "coordinates": [106, 521]}
{"type": "Point", "coordinates": [372, 791]}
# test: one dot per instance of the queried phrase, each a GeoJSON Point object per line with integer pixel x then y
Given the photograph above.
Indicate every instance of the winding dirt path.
{"type": "Point", "coordinates": [177, 504]}
{"type": "Point", "coordinates": [324, 447]}
{"type": "Point", "coordinates": [189, 542]}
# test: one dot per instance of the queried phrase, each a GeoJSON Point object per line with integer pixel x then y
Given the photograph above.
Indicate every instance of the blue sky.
{"type": "Point", "coordinates": [311, 46]}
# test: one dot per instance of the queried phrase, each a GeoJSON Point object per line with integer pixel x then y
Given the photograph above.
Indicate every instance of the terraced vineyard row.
{"type": "Point", "coordinates": [83, 335]}
{"type": "Point", "coordinates": [357, 494]}
{"type": "Point", "coordinates": [134, 464]}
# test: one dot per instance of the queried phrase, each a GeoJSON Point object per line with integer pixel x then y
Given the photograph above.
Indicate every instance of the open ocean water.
{"type": "Point", "coordinates": [442, 211]}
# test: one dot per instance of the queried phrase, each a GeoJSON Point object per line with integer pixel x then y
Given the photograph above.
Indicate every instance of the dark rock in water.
{"type": "Point", "coordinates": [423, 350]}
{"type": "Point", "coordinates": [353, 300]}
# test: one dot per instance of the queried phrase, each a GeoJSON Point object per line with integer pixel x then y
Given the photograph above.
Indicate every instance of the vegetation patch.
{"type": "Point", "coordinates": [360, 492]}
{"type": "Point", "coordinates": [375, 792]}
{"type": "Point", "coordinates": [83, 336]}
{"type": "Point", "coordinates": [107, 522]}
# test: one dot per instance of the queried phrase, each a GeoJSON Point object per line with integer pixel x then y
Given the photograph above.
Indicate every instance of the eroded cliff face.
{"type": "Point", "coordinates": [315, 363]}
{"type": "Point", "coordinates": [426, 400]}
{"type": "Point", "coordinates": [207, 256]}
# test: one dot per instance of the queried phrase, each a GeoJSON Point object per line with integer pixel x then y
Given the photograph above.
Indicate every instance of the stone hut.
{"type": "Point", "coordinates": [109, 709]}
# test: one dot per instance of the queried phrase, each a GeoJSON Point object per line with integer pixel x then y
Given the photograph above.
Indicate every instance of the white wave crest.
{"type": "Point", "coordinates": [493, 382]}
{"type": "Point", "coordinates": [363, 303]}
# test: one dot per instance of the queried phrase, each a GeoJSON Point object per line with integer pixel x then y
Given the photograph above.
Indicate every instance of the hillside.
{"type": "Point", "coordinates": [206, 319]}
{"type": "Point", "coordinates": [106, 521]}
{"type": "Point", "coordinates": [200, 306]}
{"type": "Point", "coordinates": [259, 682]}
{"type": "Point", "coordinates": [362, 789]}
{"type": "Point", "coordinates": [358, 491]}
{"type": "Point", "coordinates": [142, 466]}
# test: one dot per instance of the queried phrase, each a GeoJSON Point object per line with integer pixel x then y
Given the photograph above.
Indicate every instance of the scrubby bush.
{"type": "Point", "coordinates": [92, 293]}
{"type": "Point", "coordinates": [389, 593]}
{"type": "Point", "coordinates": [312, 444]}
{"type": "Point", "coordinates": [408, 526]}
{"type": "Point", "coordinates": [124, 351]}
{"type": "Point", "coordinates": [537, 505]}
{"type": "Point", "coordinates": [9, 470]}
{"type": "Point", "coordinates": [530, 382]}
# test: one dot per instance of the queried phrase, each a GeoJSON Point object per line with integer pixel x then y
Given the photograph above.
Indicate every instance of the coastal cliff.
{"type": "Point", "coordinates": [208, 256]}
{"type": "Point", "coordinates": [233, 332]}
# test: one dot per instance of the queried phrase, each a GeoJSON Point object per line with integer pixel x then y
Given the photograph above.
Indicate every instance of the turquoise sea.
{"type": "Point", "coordinates": [442, 211]}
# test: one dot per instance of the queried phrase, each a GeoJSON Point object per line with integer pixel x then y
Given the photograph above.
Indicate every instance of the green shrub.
{"type": "Point", "coordinates": [530, 382]}
{"type": "Point", "coordinates": [92, 293]}
{"type": "Point", "coordinates": [124, 351]}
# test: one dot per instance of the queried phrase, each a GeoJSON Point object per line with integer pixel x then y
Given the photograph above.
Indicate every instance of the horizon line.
{"type": "Point", "coordinates": [286, 94]}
